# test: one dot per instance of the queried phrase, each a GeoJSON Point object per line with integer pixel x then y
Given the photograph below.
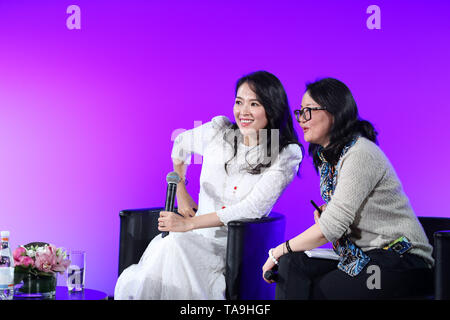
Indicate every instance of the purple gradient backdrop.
{"type": "Point", "coordinates": [86, 116]}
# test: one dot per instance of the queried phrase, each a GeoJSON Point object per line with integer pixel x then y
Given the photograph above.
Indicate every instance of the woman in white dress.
{"type": "Point", "coordinates": [246, 166]}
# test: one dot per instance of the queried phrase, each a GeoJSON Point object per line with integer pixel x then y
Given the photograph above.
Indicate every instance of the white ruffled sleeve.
{"type": "Point", "coordinates": [260, 201]}
{"type": "Point", "coordinates": [196, 140]}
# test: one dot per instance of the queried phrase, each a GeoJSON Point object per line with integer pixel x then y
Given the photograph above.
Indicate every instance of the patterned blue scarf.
{"type": "Point", "coordinates": [328, 173]}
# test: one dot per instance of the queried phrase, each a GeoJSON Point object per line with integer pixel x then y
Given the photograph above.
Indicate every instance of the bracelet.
{"type": "Point", "coordinates": [184, 180]}
{"type": "Point", "coordinates": [288, 247]}
{"type": "Point", "coordinates": [272, 257]}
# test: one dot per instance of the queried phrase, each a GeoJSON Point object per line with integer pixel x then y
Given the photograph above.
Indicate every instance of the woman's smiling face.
{"type": "Point", "coordinates": [249, 114]}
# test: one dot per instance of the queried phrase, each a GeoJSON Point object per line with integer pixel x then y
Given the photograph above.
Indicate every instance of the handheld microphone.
{"type": "Point", "coordinates": [172, 180]}
{"type": "Point", "coordinates": [271, 275]}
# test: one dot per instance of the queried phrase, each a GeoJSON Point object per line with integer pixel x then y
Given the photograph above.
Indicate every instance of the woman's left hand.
{"type": "Point", "coordinates": [170, 221]}
{"type": "Point", "coordinates": [266, 267]}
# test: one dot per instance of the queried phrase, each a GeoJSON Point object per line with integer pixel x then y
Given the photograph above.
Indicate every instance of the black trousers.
{"type": "Point", "coordinates": [392, 276]}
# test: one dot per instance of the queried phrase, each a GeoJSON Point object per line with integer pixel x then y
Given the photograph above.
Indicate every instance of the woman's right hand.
{"type": "Point", "coordinates": [186, 204]}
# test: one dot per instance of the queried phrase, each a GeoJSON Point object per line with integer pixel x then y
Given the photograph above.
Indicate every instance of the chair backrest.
{"type": "Point", "coordinates": [441, 253]}
{"type": "Point", "coordinates": [248, 244]}
{"type": "Point", "coordinates": [442, 266]}
{"type": "Point", "coordinates": [433, 224]}
{"type": "Point", "coordinates": [137, 228]}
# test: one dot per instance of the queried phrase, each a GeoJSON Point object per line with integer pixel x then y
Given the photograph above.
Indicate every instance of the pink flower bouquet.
{"type": "Point", "coordinates": [40, 258]}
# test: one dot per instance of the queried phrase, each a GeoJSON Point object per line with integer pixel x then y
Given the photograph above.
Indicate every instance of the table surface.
{"type": "Point", "coordinates": [62, 293]}
{"type": "Point", "coordinates": [87, 294]}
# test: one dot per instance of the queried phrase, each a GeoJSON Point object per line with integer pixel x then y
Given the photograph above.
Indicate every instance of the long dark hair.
{"type": "Point", "coordinates": [271, 94]}
{"type": "Point", "coordinates": [336, 97]}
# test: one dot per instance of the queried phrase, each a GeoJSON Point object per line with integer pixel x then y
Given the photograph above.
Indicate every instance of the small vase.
{"type": "Point", "coordinates": [35, 286]}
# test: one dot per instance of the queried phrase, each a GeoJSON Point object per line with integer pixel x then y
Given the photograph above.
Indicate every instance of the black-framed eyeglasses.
{"type": "Point", "coordinates": [305, 113]}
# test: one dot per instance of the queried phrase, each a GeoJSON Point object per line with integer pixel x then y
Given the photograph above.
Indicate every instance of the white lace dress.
{"type": "Point", "coordinates": [191, 265]}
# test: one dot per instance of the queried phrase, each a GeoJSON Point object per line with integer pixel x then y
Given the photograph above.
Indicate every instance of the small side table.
{"type": "Point", "coordinates": [62, 293]}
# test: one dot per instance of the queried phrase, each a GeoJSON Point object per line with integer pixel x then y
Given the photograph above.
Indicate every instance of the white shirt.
{"type": "Point", "coordinates": [238, 194]}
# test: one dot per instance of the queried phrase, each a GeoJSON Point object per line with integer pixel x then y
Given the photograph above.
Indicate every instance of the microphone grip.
{"type": "Point", "coordinates": [170, 201]}
{"type": "Point", "coordinates": [271, 275]}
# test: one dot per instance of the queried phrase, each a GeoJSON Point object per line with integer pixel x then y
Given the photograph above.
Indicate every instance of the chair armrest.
{"type": "Point", "coordinates": [442, 265]}
{"type": "Point", "coordinates": [137, 228]}
{"type": "Point", "coordinates": [248, 242]}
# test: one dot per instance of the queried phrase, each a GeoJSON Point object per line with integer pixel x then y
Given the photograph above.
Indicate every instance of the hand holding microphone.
{"type": "Point", "coordinates": [271, 275]}
{"type": "Point", "coordinates": [169, 219]}
{"type": "Point", "coordinates": [172, 180]}
{"type": "Point", "coordinates": [270, 268]}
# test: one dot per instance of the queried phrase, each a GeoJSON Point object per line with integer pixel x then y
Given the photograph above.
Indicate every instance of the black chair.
{"type": "Point", "coordinates": [249, 241]}
{"type": "Point", "coordinates": [438, 232]}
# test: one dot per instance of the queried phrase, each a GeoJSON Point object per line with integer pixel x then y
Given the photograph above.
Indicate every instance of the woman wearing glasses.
{"type": "Point", "coordinates": [383, 250]}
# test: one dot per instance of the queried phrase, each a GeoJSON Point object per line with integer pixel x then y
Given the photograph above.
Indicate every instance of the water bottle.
{"type": "Point", "coordinates": [6, 268]}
